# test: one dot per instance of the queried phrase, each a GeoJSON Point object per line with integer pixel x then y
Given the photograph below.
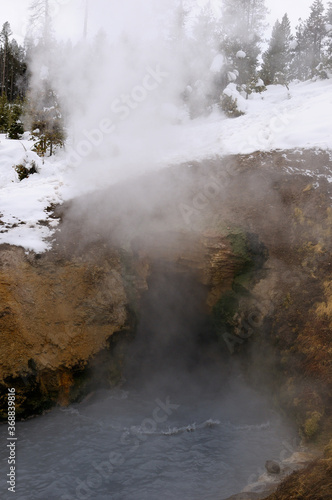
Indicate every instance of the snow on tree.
{"type": "Point", "coordinates": [44, 119]}
{"type": "Point", "coordinates": [232, 102]}
{"type": "Point", "coordinates": [241, 34]}
{"type": "Point", "coordinates": [217, 63]}
{"type": "Point", "coordinates": [240, 54]}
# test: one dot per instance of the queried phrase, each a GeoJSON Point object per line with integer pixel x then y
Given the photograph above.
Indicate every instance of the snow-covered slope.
{"type": "Point", "coordinates": [23, 205]}
{"type": "Point", "coordinates": [276, 119]}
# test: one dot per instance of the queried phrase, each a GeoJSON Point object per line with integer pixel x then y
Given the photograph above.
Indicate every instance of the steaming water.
{"type": "Point", "coordinates": [208, 447]}
{"type": "Point", "coordinates": [211, 439]}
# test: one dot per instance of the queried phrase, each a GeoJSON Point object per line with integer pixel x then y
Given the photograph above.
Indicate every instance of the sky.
{"type": "Point", "coordinates": [69, 14]}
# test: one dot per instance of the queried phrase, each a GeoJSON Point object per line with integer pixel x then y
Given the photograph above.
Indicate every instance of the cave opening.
{"type": "Point", "coordinates": [176, 346]}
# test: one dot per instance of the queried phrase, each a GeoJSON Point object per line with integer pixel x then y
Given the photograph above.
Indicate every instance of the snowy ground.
{"type": "Point", "coordinates": [277, 119]}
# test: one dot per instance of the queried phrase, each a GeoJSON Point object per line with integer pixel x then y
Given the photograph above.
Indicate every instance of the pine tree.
{"type": "Point", "coordinates": [5, 34]}
{"type": "Point", "coordinates": [196, 38]}
{"type": "Point", "coordinates": [40, 21]}
{"type": "Point", "coordinates": [202, 51]}
{"type": "Point", "coordinates": [15, 128]}
{"type": "Point", "coordinates": [276, 60]}
{"type": "Point", "coordinates": [17, 69]}
{"type": "Point", "coordinates": [315, 32]}
{"type": "Point", "coordinates": [309, 36]}
{"type": "Point", "coordinates": [4, 114]}
{"type": "Point", "coordinates": [242, 31]}
{"type": "Point", "coordinates": [299, 68]}
{"type": "Point", "coordinates": [327, 42]}
{"type": "Point", "coordinates": [43, 116]}
{"type": "Point", "coordinates": [44, 119]}
{"type": "Point", "coordinates": [329, 13]}
{"type": "Point", "coordinates": [13, 66]}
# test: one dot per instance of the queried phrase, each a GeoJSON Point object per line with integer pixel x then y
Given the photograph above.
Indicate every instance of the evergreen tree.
{"type": "Point", "coordinates": [309, 36]}
{"type": "Point", "coordinates": [327, 42]}
{"type": "Point", "coordinates": [299, 68]}
{"type": "Point", "coordinates": [5, 34]}
{"type": "Point", "coordinates": [17, 71]}
{"type": "Point", "coordinates": [315, 32]}
{"type": "Point", "coordinates": [203, 81]}
{"type": "Point", "coordinates": [276, 60]}
{"type": "Point", "coordinates": [329, 13]}
{"type": "Point", "coordinates": [40, 22]}
{"type": "Point", "coordinates": [195, 36]}
{"type": "Point", "coordinates": [4, 114]}
{"type": "Point", "coordinates": [44, 119]}
{"type": "Point", "coordinates": [13, 66]}
{"type": "Point", "coordinates": [15, 128]}
{"type": "Point", "coordinates": [43, 116]}
{"type": "Point", "coordinates": [242, 31]}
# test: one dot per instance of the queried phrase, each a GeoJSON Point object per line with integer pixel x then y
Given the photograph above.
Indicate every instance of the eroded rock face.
{"type": "Point", "coordinates": [57, 312]}
{"type": "Point", "coordinates": [254, 230]}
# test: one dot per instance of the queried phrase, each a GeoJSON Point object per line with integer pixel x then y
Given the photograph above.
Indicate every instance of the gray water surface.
{"type": "Point", "coordinates": [127, 445]}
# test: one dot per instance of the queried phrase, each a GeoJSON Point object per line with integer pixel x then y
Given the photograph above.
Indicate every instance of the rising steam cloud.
{"type": "Point", "coordinates": [121, 89]}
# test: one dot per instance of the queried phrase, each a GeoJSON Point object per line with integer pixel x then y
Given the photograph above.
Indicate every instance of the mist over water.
{"type": "Point", "coordinates": [184, 425]}
{"type": "Point", "coordinates": [109, 447]}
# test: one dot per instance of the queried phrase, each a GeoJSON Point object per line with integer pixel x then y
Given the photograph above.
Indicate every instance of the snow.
{"type": "Point", "coordinates": [231, 91]}
{"type": "Point", "coordinates": [23, 204]}
{"type": "Point", "coordinates": [241, 55]}
{"type": "Point", "coordinates": [44, 73]}
{"type": "Point", "coordinates": [217, 63]}
{"type": "Point", "coordinates": [231, 76]}
{"type": "Point", "coordinates": [276, 119]}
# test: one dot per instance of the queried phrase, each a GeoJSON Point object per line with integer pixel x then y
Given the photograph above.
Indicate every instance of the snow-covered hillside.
{"type": "Point", "coordinates": [276, 119]}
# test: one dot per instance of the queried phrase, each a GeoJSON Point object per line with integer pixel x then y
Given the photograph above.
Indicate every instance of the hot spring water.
{"type": "Point", "coordinates": [124, 446]}
{"type": "Point", "coordinates": [185, 426]}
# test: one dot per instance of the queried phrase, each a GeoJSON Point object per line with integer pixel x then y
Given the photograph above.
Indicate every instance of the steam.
{"type": "Point", "coordinates": [122, 97]}
{"type": "Point", "coordinates": [122, 89]}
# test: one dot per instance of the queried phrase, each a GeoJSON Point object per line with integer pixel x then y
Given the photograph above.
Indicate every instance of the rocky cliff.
{"type": "Point", "coordinates": [254, 230]}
